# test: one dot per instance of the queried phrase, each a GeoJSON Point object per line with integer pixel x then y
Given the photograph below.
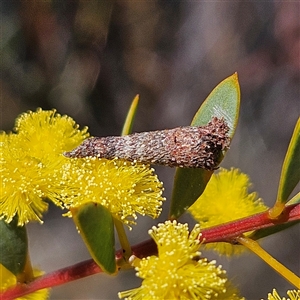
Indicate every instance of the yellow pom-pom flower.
{"type": "Point", "coordinates": [29, 160]}
{"type": "Point", "coordinates": [225, 199]}
{"type": "Point", "coordinates": [49, 134]}
{"type": "Point", "coordinates": [124, 188]}
{"type": "Point", "coordinates": [23, 182]}
{"type": "Point", "coordinates": [33, 168]}
{"type": "Point", "coordinates": [293, 295]}
{"type": "Point", "coordinates": [178, 272]}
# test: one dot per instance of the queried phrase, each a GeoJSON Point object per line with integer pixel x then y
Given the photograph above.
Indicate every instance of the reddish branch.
{"type": "Point", "coordinates": [222, 233]}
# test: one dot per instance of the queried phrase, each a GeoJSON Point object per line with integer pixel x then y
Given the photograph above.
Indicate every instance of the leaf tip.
{"type": "Point", "coordinates": [136, 99]}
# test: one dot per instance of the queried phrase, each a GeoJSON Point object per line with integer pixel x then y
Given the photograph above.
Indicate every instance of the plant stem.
{"type": "Point", "coordinates": [123, 239]}
{"type": "Point", "coordinates": [59, 277]}
{"type": "Point", "coordinates": [225, 232]}
{"type": "Point", "coordinates": [271, 261]}
{"type": "Point", "coordinates": [276, 210]}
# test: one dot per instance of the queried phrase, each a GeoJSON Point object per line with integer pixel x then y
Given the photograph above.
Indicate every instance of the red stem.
{"type": "Point", "coordinates": [228, 231]}
{"type": "Point", "coordinates": [225, 232]}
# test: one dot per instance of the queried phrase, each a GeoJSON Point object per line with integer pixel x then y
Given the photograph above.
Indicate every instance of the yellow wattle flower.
{"type": "Point", "coordinates": [49, 134]}
{"type": "Point", "coordinates": [293, 295]}
{"type": "Point", "coordinates": [33, 168]}
{"type": "Point", "coordinates": [23, 182]}
{"type": "Point", "coordinates": [29, 160]}
{"type": "Point", "coordinates": [178, 272]}
{"type": "Point", "coordinates": [124, 188]}
{"type": "Point", "coordinates": [225, 199]}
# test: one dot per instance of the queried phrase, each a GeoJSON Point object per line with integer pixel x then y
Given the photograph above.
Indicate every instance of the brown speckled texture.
{"type": "Point", "coordinates": [188, 147]}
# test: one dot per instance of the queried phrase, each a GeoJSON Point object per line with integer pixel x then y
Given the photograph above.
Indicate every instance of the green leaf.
{"type": "Point", "coordinates": [295, 199]}
{"type": "Point", "coordinates": [13, 246]}
{"type": "Point", "coordinates": [223, 101]}
{"type": "Point", "coordinates": [189, 184]}
{"type": "Point", "coordinates": [127, 128]}
{"type": "Point", "coordinates": [95, 224]}
{"type": "Point", "coordinates": [290, 173]}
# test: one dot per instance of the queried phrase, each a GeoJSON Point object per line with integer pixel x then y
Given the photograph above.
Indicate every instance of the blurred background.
{"type": "Point", "coordinates": [88, 59]}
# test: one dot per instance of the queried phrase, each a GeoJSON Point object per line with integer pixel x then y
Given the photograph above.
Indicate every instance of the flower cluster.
{"type": "Point", "coordinates": [225, 199]}
{"type": "Point", "coordinates": [33, 168]}
{"type": "Point", "coordinates": [28, 160]}
{"type": "Point", "coordinates": [293, 295]}
{"type": "Point", "coordinates": [124, 188]}
{"type": "Point", "coordinates": [179, 272]}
